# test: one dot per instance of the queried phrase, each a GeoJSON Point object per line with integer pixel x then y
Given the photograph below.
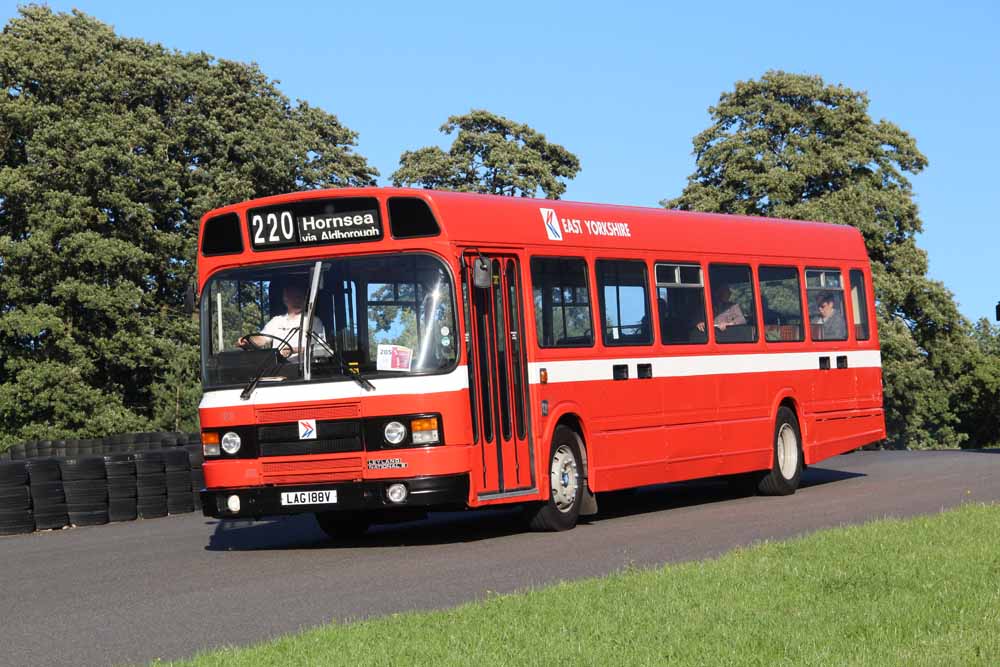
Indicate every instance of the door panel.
{"type": "Point", "coordinates": [500, 373]}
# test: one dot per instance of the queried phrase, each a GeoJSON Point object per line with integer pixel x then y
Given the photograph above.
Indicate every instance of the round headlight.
{"type": "Point", "coordinates": [394, 433]}
{"type": "Point", "coordinates": [396, 492]}
{"type": "Point", "coordinates": [231, 443]}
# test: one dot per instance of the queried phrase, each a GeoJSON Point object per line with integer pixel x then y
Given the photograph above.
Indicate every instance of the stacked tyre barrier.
{"type": "Point", "coordinates": [122, 490]}
{"type": "Point", "coordinates": [151, 484]}
{"type": "Point", "coordinates": [48, 495]}
{"type": "Point", "coordinates": [51, 484]}
{"type": "Point", "coordinates": [86, 484]}
{"type": "Point", "coordinates": [15, 499]}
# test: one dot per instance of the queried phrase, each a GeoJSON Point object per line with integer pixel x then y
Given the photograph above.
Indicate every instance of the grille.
{"type": "Point", "coordinates": [279, 415]}
{"type": "Point", "coordinates": [332, 437]}
{"type": "Point", "coordinates": [311, 470]}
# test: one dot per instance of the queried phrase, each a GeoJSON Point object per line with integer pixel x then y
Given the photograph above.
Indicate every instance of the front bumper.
{"type": "Point", "coordinates": [444, 491]}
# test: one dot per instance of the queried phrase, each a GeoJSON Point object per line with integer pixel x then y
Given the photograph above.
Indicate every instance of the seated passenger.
{"type": "Point", "coordinates": [727, 313]}
{"type": "Point", "coordinates": [831, 322]}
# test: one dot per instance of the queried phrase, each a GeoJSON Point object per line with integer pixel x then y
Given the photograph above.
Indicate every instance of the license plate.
{"type": "Point", "coordinates": [309, 497]}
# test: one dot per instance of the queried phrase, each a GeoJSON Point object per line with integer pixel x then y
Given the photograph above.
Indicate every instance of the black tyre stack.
{"type": "Point", "coordinates": [85, 483]}
{"type": "Point", "coordinates": [15, 499]}
{"type": "Point", "coordinates": [197, 459]}
{"type": "Point", "coordinates": [151, 484]}
{"type": "Point", "coordinates": [122, 489]}
{"type": "Point", "coordinates": [48, 498]}
{"type": "Point", "coordinates": [178, 474]}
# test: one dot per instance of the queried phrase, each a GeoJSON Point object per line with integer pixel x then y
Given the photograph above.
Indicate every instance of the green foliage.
{"type": "Point", "coordinates": [493, 155]}
{"type": "Point", "coordinates": [110, 151]}
{"type": "Point", "coordinates": [790, 146]}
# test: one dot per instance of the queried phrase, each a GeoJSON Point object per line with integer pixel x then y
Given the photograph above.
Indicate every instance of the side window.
{"type": "Point", "coordinates": [733, 314]}
{"type": "Point", "coordinates": [825, 292]}
{"type": "Point", "coordinates": [562, 302]}
{"type": "Point", "coordinates": [624, 298]}
{"type": "Point", "coordinates": [859, 304]}
{"type": "Point", "coordinates": [781, 301]}
{"type": "Point", "coordinates": [680, 301]}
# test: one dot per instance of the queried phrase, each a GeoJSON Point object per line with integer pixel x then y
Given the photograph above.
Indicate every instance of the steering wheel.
{"type": "Point", "coordinates": [283, 347]}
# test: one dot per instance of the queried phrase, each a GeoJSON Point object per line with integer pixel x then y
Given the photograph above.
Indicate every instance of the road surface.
{"type": "Point", "coordinates": [168, 588]}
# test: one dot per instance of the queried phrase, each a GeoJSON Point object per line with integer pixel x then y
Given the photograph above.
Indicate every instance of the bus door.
{"type": "Point", "coordinates": [499, 361]}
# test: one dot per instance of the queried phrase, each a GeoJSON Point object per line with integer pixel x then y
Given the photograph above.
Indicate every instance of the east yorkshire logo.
{"type": "Point", "coordinates": [307, 429]}
{"type": "Point", "coordinates": [551, 221]}
{"type": "Point", "coordinates": [555, 226]}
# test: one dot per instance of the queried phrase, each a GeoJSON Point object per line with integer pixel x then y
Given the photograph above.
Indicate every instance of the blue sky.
{"type": "Point", "coordinates": [625, 86]}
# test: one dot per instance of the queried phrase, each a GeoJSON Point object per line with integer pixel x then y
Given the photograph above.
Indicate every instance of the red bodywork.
{"type": "Point", "coordinates": [674, 426]}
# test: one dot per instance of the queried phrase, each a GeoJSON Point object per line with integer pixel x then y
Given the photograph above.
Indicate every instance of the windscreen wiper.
{"type": "Point", "coordinates": [266, 366]}
{"type": "Point", "coordinates": [344, 368]}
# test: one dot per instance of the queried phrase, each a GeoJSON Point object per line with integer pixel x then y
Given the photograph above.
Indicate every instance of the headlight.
{"type": "Point", "coordinates": [394, 433]}
{"type": "Point", "coordinates": [231, 443]}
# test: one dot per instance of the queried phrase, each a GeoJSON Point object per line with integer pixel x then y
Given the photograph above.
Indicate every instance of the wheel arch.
{"type": "Point", "coordinates": [785, 398]}
{"type": "Point", "coordinates": [568, 415]}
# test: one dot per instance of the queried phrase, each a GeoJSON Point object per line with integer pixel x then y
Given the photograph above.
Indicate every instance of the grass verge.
{"type": "Point", "coordinates": [923, 591]}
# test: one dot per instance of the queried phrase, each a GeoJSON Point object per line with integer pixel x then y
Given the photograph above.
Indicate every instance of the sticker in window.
{"type": "Point", "coordinates": [394, 358]}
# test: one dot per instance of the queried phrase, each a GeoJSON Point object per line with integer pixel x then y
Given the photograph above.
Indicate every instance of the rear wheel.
{"type": "Point", "coordinates": [786, 466]}
{"type": "Point", "coordinates": [562, 509]}
{"type": "Point", "coordinates": [340, 525]}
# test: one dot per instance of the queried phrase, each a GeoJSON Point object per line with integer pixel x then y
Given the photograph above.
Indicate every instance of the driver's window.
{"type": "Point", "coordinates": [238, 308]}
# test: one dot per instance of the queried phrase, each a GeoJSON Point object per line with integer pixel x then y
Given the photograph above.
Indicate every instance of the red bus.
{"type": "Point", "coordinates": [370, 354]}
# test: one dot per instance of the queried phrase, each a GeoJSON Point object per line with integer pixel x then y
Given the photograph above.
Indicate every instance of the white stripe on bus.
{"type": "Point", "coordinates": [587, 370]}
{"type": "Point", "coordinates": [456, 380]}
{"type": "Point", "coordinates": [582, 370]}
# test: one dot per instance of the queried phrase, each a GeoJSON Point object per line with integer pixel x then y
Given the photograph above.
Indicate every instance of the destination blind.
{"type": "Point", "coordinates": [315, 222]}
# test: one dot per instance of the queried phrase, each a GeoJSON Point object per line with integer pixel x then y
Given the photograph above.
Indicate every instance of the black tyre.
{"type": "Point", "coordinates": [123, 509]}
{"type": "Point", "coordinates": [149, 462]}
{"type": "Point", "coordinates": [176, 460]}
{"type": "Point", "coordinates": [53, 518]}
{"type": "Point", "coordinates": [47, 496]}
{"type": "Point", "coordinates": [786, 465]}
{"type": "Point", "coordinates": [14, 498]}
{"type": "Point", "coordinates": [43, 470]}
{"type": "Point", "coordinates": [16, 522]}
{"type": "Point", "coordinates": [566, 480]}
{"type": "Point", "coordinates": [89, 517]}
{"type": "Point", "coordinates": [13, 473]}
{"type": "Point", "coordinates": [152, 508]}
{"type": "Point", "coordinates": [83, 468]}
{"type": "Point", "coordinates": [341, 525]}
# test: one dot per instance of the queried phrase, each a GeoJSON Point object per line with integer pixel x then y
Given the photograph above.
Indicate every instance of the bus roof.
{"type": "Point", "coordinates": [493, 220]}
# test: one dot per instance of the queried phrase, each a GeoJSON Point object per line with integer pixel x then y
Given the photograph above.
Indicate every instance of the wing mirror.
{"type": "Point", "coordinates": [481, 274]}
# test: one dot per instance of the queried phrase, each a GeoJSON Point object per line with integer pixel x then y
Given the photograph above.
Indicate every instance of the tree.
{"type": "Point", "coordinates": [110, 151]}
{"type": "Point", "coordinates": [493, 155]}
{"type": "Point", "coordinates": [790, 146]}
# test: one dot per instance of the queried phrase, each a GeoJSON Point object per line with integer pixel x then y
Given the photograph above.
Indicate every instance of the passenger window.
{"type": "Point", "coordinates": [624, 300]}
{"type": "Point", "coordinates": [825, 292]}
{"type": "Point", "coordinates": [859, 304]}
{"type": "Point", "coordinates": [781, 301]}
{"type": "Point", "coordinates": [680, 300]}
{"type": "Point", "coordinates": [562, 302]}
{"type": "Point", "coordinates": [733, 314]}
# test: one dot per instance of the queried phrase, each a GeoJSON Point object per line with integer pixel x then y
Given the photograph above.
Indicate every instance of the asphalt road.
{"type": "Point", "coordinates": [167, 588]}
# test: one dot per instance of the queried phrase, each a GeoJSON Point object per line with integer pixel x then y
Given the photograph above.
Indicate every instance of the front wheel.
{"type": "Point", "coordinates": [786, 467]}
{"type": "Point", "coordinates": [562, 509]}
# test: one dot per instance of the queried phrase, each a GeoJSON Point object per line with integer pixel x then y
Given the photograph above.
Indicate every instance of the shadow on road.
{"type": "Point", "coordinates": [981, 451]}
{"type": "Point", "coordinates": [301, 532]}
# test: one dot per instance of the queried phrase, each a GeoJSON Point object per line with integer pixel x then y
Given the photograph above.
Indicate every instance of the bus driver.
{"type": "Point", "coordinates": [280, 326]}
